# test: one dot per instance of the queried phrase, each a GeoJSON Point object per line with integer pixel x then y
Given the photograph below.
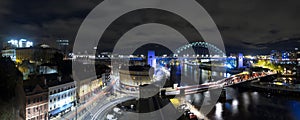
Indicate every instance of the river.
{"type": "Point", "coordinates": [240, 104]}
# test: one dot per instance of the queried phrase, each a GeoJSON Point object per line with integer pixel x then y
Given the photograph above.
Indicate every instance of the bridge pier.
{"type": "Point", "coordinates": [222, 97]}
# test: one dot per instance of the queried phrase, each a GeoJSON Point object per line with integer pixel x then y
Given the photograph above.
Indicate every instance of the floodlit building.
{"type": "Point", "coordinates": [87, 87]}
{"type": "Point", "coordinates": [9, 53]}
{"type": "Point", "coordinates": [41, 53]}
{"type": "Point", "coordinates": [22, 43]}
{"type": "Point", "coordinates": [62, 94]}
{"type": "Point", "coordinates": [284, 57]}
{"type": "Point", "coordinates": [134, 76]}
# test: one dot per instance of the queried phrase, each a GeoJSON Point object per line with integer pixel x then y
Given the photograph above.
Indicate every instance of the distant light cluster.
{"type": "Point", "coordinates": [20, 43]}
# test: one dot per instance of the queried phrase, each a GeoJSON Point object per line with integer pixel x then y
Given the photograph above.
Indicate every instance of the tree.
{"type": "Point", "coordinates": [11, 89]}
{"type": "Point", "coordinates": [57, 60]}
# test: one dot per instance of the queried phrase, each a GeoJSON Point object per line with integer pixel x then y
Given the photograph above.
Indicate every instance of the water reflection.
{"type": "Point", "coordinates": [235, 104]}
{"type": "Point", "coordinates": [241, 105]}
{"type": "Point", "coordinates": [246, 100]}
{"type": "Point", "coordinates": [219, 110]}
{"type": "Point", "coordinates": [194, 75]}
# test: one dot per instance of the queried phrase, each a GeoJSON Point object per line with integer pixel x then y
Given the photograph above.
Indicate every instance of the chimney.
{"type": "Point", "coordinates": [59, 78]}
{"type": "Point", "coordinates": [45, 81]}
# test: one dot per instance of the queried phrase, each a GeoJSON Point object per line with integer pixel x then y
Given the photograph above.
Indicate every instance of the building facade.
{"type": "Point", "coordinates": [62, 96]}
{"type": "Point", "coordinates": [36, 103]}
{"type": "Point", "coordinates": [132, 77]}
{"type": "Point", "coordinates": [42, 53]}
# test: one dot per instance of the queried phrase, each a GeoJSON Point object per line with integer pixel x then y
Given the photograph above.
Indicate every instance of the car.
{"type": "Point", "coordinates": [193, 116]}
{"type": "Point", "coordinates": [117, 110]}
{"type": "Point", "coordinates": [111, 117]}
{"type": "Point", "coordinates": [132, 89]}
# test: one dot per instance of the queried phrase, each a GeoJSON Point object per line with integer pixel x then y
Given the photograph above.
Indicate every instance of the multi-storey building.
{"type": "Point", "coordinates": [284, 57]}
{"type": "Point", "coordinates": [63, 45]}
{"type": "Point", "coordinates": [41, 53]}
{"type": "Point", "coordinates": [288, 60]}
{"type": "Point", "coordinates": [62, 94]}
{"type": "Point", "coordinates": [87, 87]}
{"type": "Point", "coordinates": [36, 100]}
{"type": "Point", "coordinates": [131, 77]}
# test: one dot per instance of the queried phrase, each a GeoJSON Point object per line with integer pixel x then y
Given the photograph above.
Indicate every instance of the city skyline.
{"type": "Point", "coordinates": [246, 26]}
{"type": "Point", "coordinates": [149, 60]}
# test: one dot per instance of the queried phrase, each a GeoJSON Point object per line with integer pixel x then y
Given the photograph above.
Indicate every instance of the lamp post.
{"type": "Point", "coordinates": [76, 104]}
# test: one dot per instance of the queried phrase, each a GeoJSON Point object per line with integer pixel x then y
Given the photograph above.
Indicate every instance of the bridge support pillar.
{"type": "Point", "coordinates": [222, 97]}
{"type": "Point", "coordinates": [151, 58]}
{"type": "Point", "coordinates": [240, 60]}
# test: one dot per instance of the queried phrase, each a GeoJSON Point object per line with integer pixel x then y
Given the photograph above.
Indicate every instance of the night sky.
{"type": "Point", "coordinates": [248, 26]}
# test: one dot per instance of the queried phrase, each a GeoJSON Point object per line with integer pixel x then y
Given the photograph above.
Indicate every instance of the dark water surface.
{"type": "Point", "coordinates": [243, 105]}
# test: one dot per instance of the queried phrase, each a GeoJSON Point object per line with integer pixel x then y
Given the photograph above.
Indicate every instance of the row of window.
{"type": "Point", "coordinates": [36, 99]}
{"type": "Point", "coordinates": [38, 118]}
{"type": "Point", "coordinates": [62, 96]}
{"type": "Point", "coordinates": [62, 89]}
{"type": "Point", "coordinates": [37, 109]}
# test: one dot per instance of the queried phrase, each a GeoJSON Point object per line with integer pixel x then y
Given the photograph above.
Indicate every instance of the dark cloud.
{"type": "Point", "coordinates": [250, 26]}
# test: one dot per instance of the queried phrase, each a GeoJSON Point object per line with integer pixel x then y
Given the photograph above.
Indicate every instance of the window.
{"type": "Point", "coordinates": [50, 92]}
{"type": "Point", "coordinates": [50, 100]}
{"type": "Point", "coordinates": [28, 101]}
{"type": "Point", "coordinates": [28, 110]}
{"type": "Point", "coordinates": [45, 107]}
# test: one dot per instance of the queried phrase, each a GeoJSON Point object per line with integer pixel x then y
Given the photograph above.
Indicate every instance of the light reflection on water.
{"type": "Point", "coordinates": [245, 105]}
{"type": "Point", "coordinates": [235, 104]}
{"type": "Point", "coordinates": [219, 110]}
{"type": "Point", "coordinates": [251, 105]}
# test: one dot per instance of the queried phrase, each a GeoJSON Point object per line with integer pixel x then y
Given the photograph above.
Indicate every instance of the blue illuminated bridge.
{"type": "Point", "coordinates": [194, 53]}
{"type": "Point", "coordinates": [208, 49]}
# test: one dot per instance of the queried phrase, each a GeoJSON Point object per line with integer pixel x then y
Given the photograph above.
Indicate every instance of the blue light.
{"type": "Point", "coordinates": [229, 66]}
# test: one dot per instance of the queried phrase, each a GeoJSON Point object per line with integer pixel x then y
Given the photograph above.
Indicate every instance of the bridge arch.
{"type": "Point", "coordinates": [212, 48]}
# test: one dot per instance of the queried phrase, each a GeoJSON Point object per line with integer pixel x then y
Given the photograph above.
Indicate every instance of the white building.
{"type": "Point", "coordinates": [62, 97]}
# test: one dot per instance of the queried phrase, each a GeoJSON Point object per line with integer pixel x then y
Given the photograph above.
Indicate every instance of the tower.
{"type": "Point", "coordinates": [240, 60]}
{"type": "Point", "coordinates": [151, 58]}
{"type": "Point", "coordinates": [63, 45]}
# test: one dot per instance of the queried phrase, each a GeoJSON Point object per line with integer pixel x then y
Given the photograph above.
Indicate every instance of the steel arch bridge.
{"type": "Point", "coordinates": [212, 48]}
